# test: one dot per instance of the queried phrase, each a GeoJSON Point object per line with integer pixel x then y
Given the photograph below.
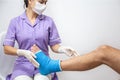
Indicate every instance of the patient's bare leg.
{"type": "Point", "coordinates": [103, 55]}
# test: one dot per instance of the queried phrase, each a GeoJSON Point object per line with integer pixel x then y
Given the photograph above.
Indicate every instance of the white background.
{"type": "Point", "coordinates": [82, 24]}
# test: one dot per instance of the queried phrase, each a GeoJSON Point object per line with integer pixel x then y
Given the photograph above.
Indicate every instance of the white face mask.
{"type": "Point", "coordinates": [39, 8]}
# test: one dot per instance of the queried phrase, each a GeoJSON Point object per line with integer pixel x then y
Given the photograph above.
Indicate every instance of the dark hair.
{"type": "Point", "coordinates": [26, 3]}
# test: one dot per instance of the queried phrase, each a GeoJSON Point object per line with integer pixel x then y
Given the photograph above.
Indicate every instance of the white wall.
{"type": "Point", "coordinates": [82, 24]}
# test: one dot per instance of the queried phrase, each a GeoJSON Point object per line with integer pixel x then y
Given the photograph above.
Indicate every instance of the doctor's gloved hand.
{"type": "Point", "coordinates": [68, 51]}
{"type": "Point", "coordinates": [29, 55]}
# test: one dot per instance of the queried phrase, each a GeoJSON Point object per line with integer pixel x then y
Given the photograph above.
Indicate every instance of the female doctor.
{"type": "Point", "coordinates": [32, 27]}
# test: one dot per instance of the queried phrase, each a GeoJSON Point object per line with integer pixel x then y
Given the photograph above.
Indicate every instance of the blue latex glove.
{"type": "Point", "coordinates": [47, 65]}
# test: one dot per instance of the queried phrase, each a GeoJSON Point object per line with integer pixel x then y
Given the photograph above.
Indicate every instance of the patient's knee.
{"type": "Point", "coordinates": [23, 77]}
{"type": "Point", "coordinates": [104, 47]}
{"type": "Point", "coordinates": [104, 50]}
{"type": "Point", "coordinates": [42, 77]}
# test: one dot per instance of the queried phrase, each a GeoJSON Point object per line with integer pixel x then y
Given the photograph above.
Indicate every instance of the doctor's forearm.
{"type": "Point", "coordinates": [55, 48]}
{"type": "Point", "coordinates": [10, 50]}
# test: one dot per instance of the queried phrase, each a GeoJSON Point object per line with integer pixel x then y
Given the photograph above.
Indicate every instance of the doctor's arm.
{"type": "Point", "coordinates": [9, 50]}
{"type": "Point", "coordinates": [9, 42]}
{"type": "Point", "coordinates": [55, 48]}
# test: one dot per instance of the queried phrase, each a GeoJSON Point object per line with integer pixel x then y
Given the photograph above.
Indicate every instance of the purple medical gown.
{"type": "Point", "coordinates": [42, 33]}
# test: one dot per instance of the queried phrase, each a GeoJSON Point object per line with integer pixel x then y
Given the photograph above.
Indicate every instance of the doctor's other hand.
{"type": "Point", "coordinates": [29, 55]}
{"type": "Point", "coordinates": [68, 51]}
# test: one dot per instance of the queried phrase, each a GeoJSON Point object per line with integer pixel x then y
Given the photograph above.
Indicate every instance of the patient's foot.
{"type": "Point", "coordinates": [47, 65]}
